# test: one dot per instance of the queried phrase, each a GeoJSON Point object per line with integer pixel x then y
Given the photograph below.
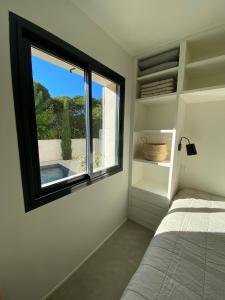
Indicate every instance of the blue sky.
{"type": "Point", "coordinates": [59, 81]}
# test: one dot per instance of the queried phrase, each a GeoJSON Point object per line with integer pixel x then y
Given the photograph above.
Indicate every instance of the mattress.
{"type": "Point", "coordinates": [186, 257]}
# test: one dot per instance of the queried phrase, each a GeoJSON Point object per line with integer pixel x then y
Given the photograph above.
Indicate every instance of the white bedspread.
{"type": "Point", "coordinates": [186, 258]}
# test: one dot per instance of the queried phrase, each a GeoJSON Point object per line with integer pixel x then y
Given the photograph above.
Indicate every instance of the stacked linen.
{"type": "Point", "coordinates": [161, 87]}
{"type": "Point", "coordinates": [159, 62]}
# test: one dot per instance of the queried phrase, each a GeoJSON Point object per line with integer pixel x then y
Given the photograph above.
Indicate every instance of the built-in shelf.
{"type": "Point", "coordinates": [155, 131]}
{"type": "Point", "coordinates": [167, 98]}
{"type": "Point", "coordinates": [200, 78]}
{"type": "Point", "coordinates": [206, 45]}
{"type": "Point", "coordinates": [152, 187]}
{"type": "Point", "coordinates": [206, 63]}
{"type": "Point", "coordinates": [205, 73]}
{"type": "Point", "coordinates": [165, 163]}
{"type": "Point", "coordinates": [212, 94]}
{"type": "Point", "coordinates": [159, 75]}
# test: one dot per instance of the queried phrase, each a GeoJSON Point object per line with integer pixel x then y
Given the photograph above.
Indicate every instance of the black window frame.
{"type": "Point", "coordinates": [23, 35]}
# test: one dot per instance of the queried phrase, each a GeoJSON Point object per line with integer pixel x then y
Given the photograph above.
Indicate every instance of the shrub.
{"type": "Point", "coordinates": [66, 133]}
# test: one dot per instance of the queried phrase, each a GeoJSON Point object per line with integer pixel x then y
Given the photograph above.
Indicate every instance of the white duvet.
{"type": "Point", "coordinates": [186, 258]}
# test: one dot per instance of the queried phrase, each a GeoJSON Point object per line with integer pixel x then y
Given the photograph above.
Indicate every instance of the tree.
{"type": "Point", "coordinates": [96, 117]}
{"type": "Point", "coordinates": [66, 133]}
{"type": "Point", "coordinates": [50, 115]}
{"type": "Point", "coordinates": [77, 117]}
{"type": "Point", "coordinates": [44, 112]}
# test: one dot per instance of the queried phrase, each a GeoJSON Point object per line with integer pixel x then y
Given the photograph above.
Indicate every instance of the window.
{"type": "Point", "coordinates": [69, 114]}
{"type": "Point", "coordinates": [60, 117]}
{"type": "Point", "coordinates": [104, 128]}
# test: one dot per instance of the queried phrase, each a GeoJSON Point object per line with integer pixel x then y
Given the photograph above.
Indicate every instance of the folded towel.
{"type": "Point", "coordinates": [158, 68]}
{"type": "Point", "coordinates": [171, 55]}
{"type": "Point", "coordinates": [160, 86]}
{"type": "Point", "coordinates": [156, 94]}
{"type": "Point", "coordinates": [155, 83]}
{"type": "Point", "coordinates": [159, 89]}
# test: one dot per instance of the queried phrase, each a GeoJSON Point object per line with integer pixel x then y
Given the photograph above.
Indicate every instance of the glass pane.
{"type": "Point", "coordinates": [104, 123]}
{"type": "Point", "coordinates": [60, 117]}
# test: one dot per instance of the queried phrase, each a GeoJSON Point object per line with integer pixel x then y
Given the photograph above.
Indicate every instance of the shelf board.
{"type": "Point", "coordinates": [206, 63]}
{"type": "Point", "coordinates": [156, 131]}
{"type": "Point", "coordinates": [209, 94]}
{"type": "Point", "coordinates": [207, 70]}
{"type": "Point", "coordinates": [152, 187]}
{"type": "Point", "coordinates": [159, 75]}
{"type": "Point", "coordinates": [167, 98]}
{"type": "Point", "coordinates": [165, 163]}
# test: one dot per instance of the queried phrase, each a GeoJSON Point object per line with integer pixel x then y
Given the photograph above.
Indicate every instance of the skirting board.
{"type": "Point", "coordinates": [143, 223]}
{"type": "Point", "coordinates": [83, 261]}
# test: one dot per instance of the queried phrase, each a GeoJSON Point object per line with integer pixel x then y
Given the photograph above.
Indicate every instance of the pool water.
{"type": "Point", "coordinates": [54, 172]}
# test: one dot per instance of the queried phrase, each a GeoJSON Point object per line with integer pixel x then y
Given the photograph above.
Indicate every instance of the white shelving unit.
{"type": "Point", "coordinates": [200, 78]}
{"type": "Point", "coordinates": [208, 63]}
{"type": "Point", "coordinates": [150, 180]}
{"type": "Point", "coordinates": [152, 187]}
{"type": "Point", "coordinates": [167, 98]}
{"type": "Point", "coordinates": [212, 94]}
{"type": "Point", "coordinates": [158, 75]}
{"type": "Point", "coordinates": [166, 163]}
{"type": "Point", "coordinates": [156, 131]}
{"type": "Point", "coordinates": [207, 45]}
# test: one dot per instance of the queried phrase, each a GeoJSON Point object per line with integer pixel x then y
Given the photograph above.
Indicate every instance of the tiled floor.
{"type": "Point", "coordinates": [106, 274]}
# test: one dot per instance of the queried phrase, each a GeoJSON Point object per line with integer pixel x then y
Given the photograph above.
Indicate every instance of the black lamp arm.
{"type": "Point", "coordinates": [190, 147]}
{"type": "Point", "coordinates": [183, 137]}
{"type": "Point", "coordinates": [180, 145]}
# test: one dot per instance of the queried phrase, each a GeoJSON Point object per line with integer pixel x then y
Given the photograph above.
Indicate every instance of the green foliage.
{"type": "Point", "coordinates": [77, 117]}
{"type": "Point", "coordinates": [96, 117]}
{"type": "Point", "coordinates": [45, 117]}
{"type": "Point", "coordinates": [96, 161]}
{"type": "Point", "coordinates": [66, 133]}
{"type": "Point", "coordinates": [50, 115]}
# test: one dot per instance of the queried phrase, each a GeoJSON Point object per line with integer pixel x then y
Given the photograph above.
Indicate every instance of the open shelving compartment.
{"type": "Point", "coordinates": [212, 94]}
{"type": "Point", "coordinates": [163, 80]}
{"type": "Point", "coordinates": [205, 46]}
{"type": "Point", "coordinates": [205, 61]}
{"type": "Point", "coordinates": [204, 74]}
{"type": "Point", "coordinates": [151, 176]}
{"type": "Point", "coordinates": [157, 77]}
{"type": "Point", "coordinates": [155, 116]}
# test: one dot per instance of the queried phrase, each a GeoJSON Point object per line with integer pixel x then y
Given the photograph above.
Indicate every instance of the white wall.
{"type": "Point", "coordinates": [205, 126]}
{"type": "Point", "coordinates": [51, 149]}
{"type": "Point", "coordinates": [38, 249]}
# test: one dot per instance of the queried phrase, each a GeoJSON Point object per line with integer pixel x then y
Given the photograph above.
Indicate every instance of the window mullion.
{"type": "Point", "coordinates": [88, 94]}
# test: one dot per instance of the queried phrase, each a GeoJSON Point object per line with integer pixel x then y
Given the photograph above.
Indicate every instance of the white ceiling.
{"type": "Point", "coordinates": [139, 25]}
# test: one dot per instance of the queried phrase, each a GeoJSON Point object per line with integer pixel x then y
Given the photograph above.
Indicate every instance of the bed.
{"type": "Point", "coordinates": [186, 257]}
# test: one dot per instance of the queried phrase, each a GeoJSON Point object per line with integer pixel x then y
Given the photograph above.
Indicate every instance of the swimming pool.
{"type": "Point", "coordinates": [54, 172]}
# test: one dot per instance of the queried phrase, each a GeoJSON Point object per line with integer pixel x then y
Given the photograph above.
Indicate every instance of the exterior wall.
{"type": "Point", "coordinates": [41, 247]}
{"type": "Point", "coordinates": [109, 125]}
{"type": "Point", "coordinates": [50, 150]}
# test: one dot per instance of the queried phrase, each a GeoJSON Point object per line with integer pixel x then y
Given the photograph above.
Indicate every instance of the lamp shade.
{"type": "Point", "coordinates": [191, 149]}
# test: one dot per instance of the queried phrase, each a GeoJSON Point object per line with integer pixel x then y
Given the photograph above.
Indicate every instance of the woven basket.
{"type": "Point", "coordinates": [155, 151]}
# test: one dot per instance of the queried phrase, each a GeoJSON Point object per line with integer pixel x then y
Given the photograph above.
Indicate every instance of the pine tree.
{"type": "Point", "coordinates": [66, 133]}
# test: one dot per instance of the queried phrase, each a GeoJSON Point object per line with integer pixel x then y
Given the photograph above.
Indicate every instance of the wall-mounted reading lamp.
{"type": "Point", "coordinates": [190, 147]}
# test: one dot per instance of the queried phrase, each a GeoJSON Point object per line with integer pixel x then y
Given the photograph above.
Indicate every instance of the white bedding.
{"type": "Point", "coordinates": [186, 258]}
